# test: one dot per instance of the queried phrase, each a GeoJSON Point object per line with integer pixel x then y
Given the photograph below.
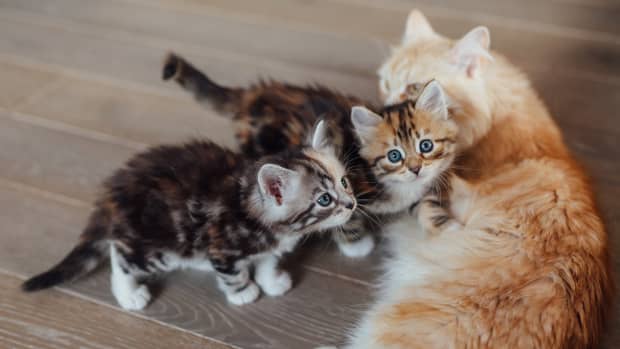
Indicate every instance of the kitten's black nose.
{"type": "Point", "coordinates": [415, 169]}
{"type": "Point", "coordinates": [350, 205]}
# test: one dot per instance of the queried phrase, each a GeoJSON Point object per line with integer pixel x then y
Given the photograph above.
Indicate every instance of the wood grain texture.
{"type": "Point", "coordinates": [57, 320]}
{"type": "Point", "coordinates": [20, 83]}
{"type": "Point", "coordinates": [138, 58]}
{"type": "Point", "coordinates": [356, 54]}
{"type": "Point", "coordinates": [126, 113]}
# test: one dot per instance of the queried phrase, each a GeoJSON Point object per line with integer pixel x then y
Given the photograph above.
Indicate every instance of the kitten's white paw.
{"type": "Point", "coordinates": [248, 295]}
{"type": "Point", "coordinates": [275, 284]}
{"type": "Point", "coordinates": [134, 299]}
{"type": "Point", "coordinates": [357, 249]}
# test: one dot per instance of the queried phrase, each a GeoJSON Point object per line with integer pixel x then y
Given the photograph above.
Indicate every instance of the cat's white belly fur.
{"type": "Point", "coordinates": [173, 261]}
{"type": "Point", "coordinates": [404, 270]}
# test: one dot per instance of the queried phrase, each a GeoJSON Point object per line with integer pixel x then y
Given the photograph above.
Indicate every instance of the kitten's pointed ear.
{"type": "Point", "coordinates": [472, 50]}
{"type": "Point", "coordinates": [433, 100]}
{"type": "Point", "coordinates": [362, 118]}
{"type": "Point", "coordinates": [417, 28]}
{"type": "Point", "coordinates": [364, 121]}
{"type": "Point", "coordinates": [320, 137]}
{"type": "Point", "coordinates": [275, 182]}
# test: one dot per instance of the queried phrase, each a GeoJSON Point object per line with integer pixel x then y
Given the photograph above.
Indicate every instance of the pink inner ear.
{"type": "Point", "coordinates": [274, 190]}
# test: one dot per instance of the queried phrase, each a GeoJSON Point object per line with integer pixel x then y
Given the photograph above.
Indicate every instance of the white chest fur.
{"type": "Point", "coordinates": [399, 197]}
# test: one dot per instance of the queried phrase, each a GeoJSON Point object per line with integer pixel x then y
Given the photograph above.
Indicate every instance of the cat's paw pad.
{"type": "Point", "coordinates": [358, 248]}
{"type": "Point", "coordinates": [277, 284]}
{"type": "Point", "coordinates": [247, 295]}
{"type": "Point", "coordinates": [134, 299]}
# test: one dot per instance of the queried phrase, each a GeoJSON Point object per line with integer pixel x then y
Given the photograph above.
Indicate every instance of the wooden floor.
{"type": "Point", "coordinates": [80, 91]}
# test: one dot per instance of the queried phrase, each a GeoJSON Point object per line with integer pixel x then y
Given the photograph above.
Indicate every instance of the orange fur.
{"type": "Point", "coordinates": [520, 257]}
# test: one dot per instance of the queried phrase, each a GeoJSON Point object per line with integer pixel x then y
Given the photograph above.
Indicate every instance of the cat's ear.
{"type": "Point", "coordinates": [365, 121]}
{"type": "Point", "coordinates": [320, 137]}
{"type": "Point", "coordinates": [417, 28]}
{"type": "Point", "coordinates": [472, 50]}
{"type": "Point", "coordinates": [275, 182]}
{"type": "Point", "coordinates": [433, 100]}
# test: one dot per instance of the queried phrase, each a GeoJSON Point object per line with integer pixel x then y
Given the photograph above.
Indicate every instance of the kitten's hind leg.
{"type": "Point", "coordinates": [353, 240]}
{"type": "Point", "coordinates": [235, 282]}
{"type": "Point", "coordinates": [272, 280]}
{"type": "Point", "coordinates": [129, 293]}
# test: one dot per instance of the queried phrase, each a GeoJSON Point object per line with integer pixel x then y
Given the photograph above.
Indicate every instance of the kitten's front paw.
{"type": "Point", "coordinates": [358, 248]}
{"type": "Point", "coordinates": [134, 299]}
{"type": "Point", "coordinates": [431, 215]}
{"type": "Point", "coordinates": [276, 284]}
{"type": "Point", "coordinates": [247, 295]}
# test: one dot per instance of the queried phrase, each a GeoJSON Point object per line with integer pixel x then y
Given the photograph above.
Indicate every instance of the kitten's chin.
{"type": "Point", "coordinates": [402, 179]}
{"type": "Point", "coordinates": [335, 221]}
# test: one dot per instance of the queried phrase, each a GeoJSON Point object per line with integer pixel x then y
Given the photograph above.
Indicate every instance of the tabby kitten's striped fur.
{"type": "Point", "coordinates": [393, 158]}
{"type": "Point", "coordinates": [204, 207]}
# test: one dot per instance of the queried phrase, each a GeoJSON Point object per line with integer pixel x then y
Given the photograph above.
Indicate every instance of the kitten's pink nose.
{"type": "Point", "coordinates": [350, 205]}
{"type": "Point", "coordinates": [415, 169]}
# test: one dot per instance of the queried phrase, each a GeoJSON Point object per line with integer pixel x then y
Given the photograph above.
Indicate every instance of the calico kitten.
{"type": "Point", "coordinates": [204, 207]}
{"type": "Point", "coordinates": [392, 158]}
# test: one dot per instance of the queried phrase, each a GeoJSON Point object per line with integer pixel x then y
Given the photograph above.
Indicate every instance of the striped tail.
{"type": "Point", "coordinates": [205, 90]}
{"type": "Point", "coordinates": [84, 257]}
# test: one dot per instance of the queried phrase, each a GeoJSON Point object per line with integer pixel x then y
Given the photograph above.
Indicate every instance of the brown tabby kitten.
{"type": "Point", "coordinates": [392, 158]}
{"type": "Point", "coordinates": [204, 207]}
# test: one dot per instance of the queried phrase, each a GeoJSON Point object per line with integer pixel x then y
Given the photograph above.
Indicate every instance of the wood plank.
{"type": "Point", "coordinates": [18, 83]}
{"type": "Point", "coordinates": [354, 54]}
{"type": "Point", "coordinates": [138, 59]}
{"type": "Point", "coordinates": [57, 320]}
{"type": "Point", "coordinates": [313, 313]}
{"type": "Point", "coordinates": [67, 164]}
{"type": "Point", "coordinates": [130, 114]}
{"type": "Point", "coordinates": [204, 30]}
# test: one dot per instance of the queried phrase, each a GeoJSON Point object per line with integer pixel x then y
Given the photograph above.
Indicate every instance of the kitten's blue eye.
{"type": "Point", "coordinates": [324, 200]}
{"type": "Point", "coordinates": [426, 146]}
{"type": "Point", "coordinates": [394, 155]}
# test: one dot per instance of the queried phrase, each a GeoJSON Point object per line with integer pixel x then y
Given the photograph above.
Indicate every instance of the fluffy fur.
{"type": "Point", "coordinates": [203, 207]}
{"type": "Point", "coordinates": [514, 254]}
{"type": "Point", "coordinates": [271, 116]}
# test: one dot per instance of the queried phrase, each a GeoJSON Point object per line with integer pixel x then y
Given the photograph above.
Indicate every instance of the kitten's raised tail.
{"type": "Point", "coordinates": [205, 90]}
{"type": "Point", "coordinates": [84, 257]}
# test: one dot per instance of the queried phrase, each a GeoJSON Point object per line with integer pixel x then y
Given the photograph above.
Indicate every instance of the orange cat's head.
{"type": "Point", "coordinates": [424, 55]}
{"type": "Point", "coordinates": [410, 144]}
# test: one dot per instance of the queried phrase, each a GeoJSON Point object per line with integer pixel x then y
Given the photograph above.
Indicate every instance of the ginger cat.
{"type": "Point", "coordinates": [514, 254]}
